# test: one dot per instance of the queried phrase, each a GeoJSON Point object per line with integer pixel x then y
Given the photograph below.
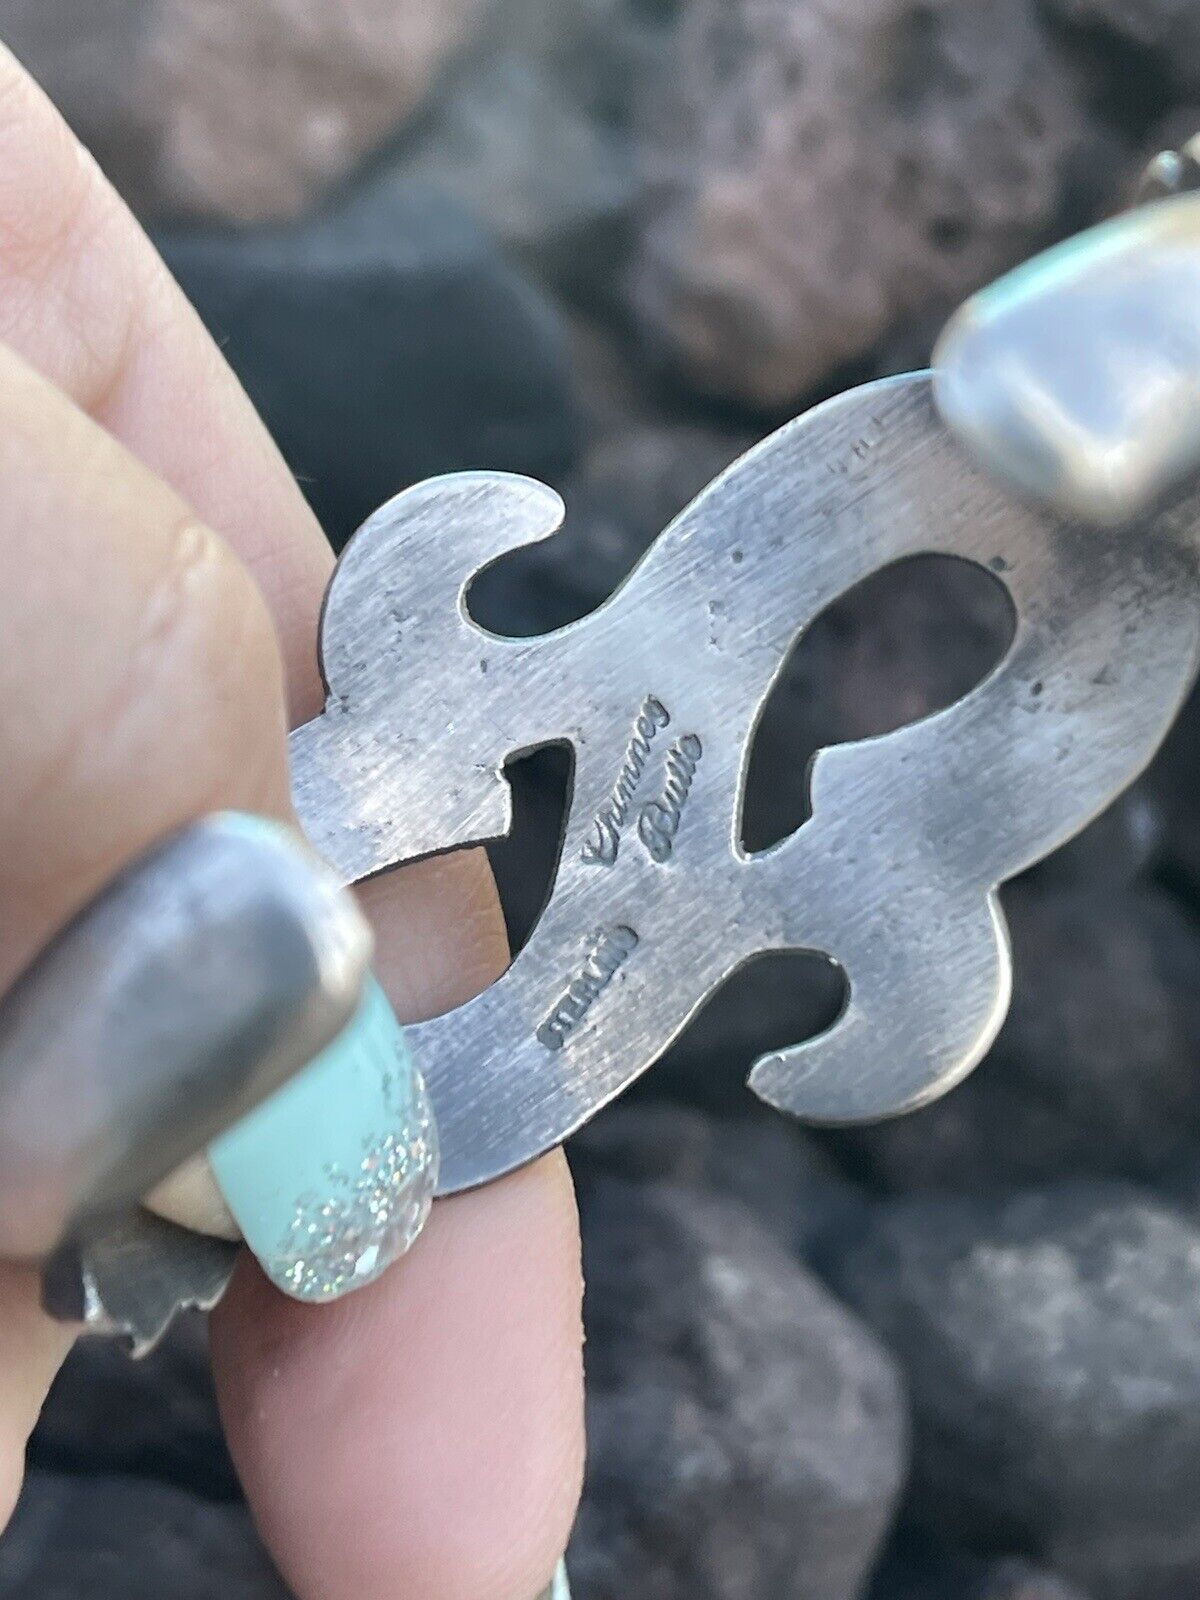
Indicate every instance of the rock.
{"type": "Point", "coordinates": [154, 1418]}
{"type": "Point", "coordinates": [1051, 1345]}
{"type": "Point", "coordinates": [516, 148]}
{"type": "Point", "coordinates": [1181, 1186]}
{"type": "Point", "coordinates": [1123, 844]}
{"type": "Point", "coordinates": [746, 1435]}
{"type": "Point", "coordinates": [761, 1160]}
{"type": "Point", "coordinates": [607, 53]}
{"type": "Point", "coordinates": [1016, 1580]}
{"type": "Point", "coordinates": [91, 60]}
{"type": "Point", "coordinates": [265, 106]}
{"type": "Point", "coordinates": [816, 176]}
{"type": "Point", "coordinates": [81, 1538]}
{"type": "Point", "coordinates": [1167, 31]}
{"type": "Point", "coordinates": [218, 109]}
{"type": "Point", "coordinates": [1174, 778]}
{"type": "Point", "coordinates": [941, 1574]}
{"type": "Point", "coordinates": [384, 340]}
{"type": "Point", "coordinates": [535, 133]}
{"type": "Point", "coordinates": [1095, 1070]}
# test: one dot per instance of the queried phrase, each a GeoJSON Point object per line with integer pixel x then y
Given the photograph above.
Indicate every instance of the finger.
{"type": "Point", "coordinates": [32, 1348]}
{"type": "Point", "coordinates": [447, 1396]}
{"type": "Point", "coordinates": [423, 1437]}
{"type": "Point", "coordinates": [85, 298]}
{"type": "Point", "coordinates": [140, 687]}
{"type": "Point", "coordinates": [140, 682]}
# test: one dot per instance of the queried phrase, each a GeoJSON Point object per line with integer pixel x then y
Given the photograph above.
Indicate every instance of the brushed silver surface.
{"type": "Point", "coordinates": [1170, 172]}
{"type": "Point", "coordinates": [127, 1277]}
{"type": "Point", "coordinates": [658, 692]}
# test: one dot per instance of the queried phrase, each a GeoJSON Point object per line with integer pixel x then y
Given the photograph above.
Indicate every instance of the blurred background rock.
{"type": "Point", "coordinates": [611, 242]}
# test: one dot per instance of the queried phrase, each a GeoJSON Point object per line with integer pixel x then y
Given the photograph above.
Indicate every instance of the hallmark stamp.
{"type": "Point", "coordinates": [604, 836]}
{"type": "Point", "coordinates": [609, 949]}
{"type": "Point", "coordinates": [659, 820]}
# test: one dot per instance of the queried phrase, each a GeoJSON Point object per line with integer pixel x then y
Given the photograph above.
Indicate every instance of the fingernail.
{"type": "Point", "coordinates": [332, 1178]}
{"type": "Point", "coordinates": [187, 991]}
{"type": "Point", "coordinates": [559, 1588]}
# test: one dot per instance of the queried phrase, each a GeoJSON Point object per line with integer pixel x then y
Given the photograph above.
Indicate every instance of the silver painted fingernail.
{"type": "Point", "coordinates": [203, 977]}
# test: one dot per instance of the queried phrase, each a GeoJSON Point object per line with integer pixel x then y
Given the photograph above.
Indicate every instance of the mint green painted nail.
{"type": "Point", "coordinates": [331, 1178]}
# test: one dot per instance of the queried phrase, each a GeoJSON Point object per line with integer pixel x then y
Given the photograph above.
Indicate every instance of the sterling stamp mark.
{"type": "Point", "coordinates": [604, 836]}
{"type": "Point", "coordinates": [609, 949]}
{"type": "Point", "coordinates": [659, 820]}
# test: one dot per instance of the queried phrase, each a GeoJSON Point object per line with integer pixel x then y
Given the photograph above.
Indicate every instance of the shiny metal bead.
{"type": "Point", "coordinates": [1077, 377]}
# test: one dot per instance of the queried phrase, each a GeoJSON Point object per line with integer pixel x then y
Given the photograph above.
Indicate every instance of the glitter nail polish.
{"type": "Point", "coordinates": [332, 1178]}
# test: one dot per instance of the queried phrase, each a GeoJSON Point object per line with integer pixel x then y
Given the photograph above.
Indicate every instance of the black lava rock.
{"type": "Point", "coordinates": [99, 1538]}
{"type": "Point", "coordinates": [761, 1159]}
{"type": "Point", "coordinates": [384, 340]}
{"type": "Point", "coordinates": [1051, 1345]}
{"type": "Point", "coordinates": [518, 148]}
{"type": "Point", "coordinates": [914, 1571]}
{"type": "Point", "coordinates": [1160, 35]}
{"type": "Point", "coordinates": [1016, 1580]}
{"type": "Point", "coordinates": [746, 1432]}
{"type": "Point", "coordinates": [1174, 778]}
{"type": "Point", "coordinates": [1097, 1069]}
{"type": "Point", "coordinates": [154, 1418]}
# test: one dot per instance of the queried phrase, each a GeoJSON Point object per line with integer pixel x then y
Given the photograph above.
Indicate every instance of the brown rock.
{"type": "Point", "coordinates": [265, 105]}
{"type": "Point", "coordinates": [227, 109]}
{"type": "Point", "coordinates": [819, 174]}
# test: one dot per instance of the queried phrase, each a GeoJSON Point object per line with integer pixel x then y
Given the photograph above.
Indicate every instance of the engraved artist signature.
{"type": "Point", "coordinates": [609, 949]}
{"type": "Point", "coordinates": [604, 836]}
{"type": "Point", "coordinates": [659, 820]}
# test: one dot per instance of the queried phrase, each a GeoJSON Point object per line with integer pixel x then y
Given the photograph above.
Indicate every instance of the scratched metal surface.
{"type": "Point", "coordinates": [658, 693]}
{"type": "Point", "coordinates": [130, 1276]}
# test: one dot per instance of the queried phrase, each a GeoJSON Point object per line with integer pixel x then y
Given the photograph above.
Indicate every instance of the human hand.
{"type": "Point", "coordinates": [161, 581]}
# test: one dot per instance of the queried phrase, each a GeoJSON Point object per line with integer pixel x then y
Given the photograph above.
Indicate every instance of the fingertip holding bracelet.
{"type": "Point", "coordinates": [332, 1177]}
{"type": "Point", "coordinates": [205, 1038]}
